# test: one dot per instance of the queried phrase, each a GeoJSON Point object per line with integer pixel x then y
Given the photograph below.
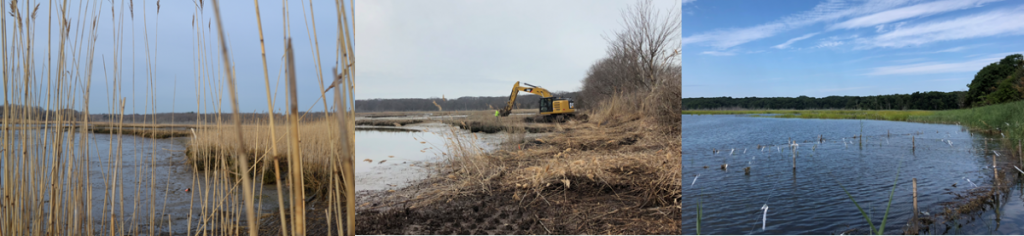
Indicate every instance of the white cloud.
{"type": "Point", "coordinates": [919, 10]}
{"type": "Point", "coordinates": [934, 68]}
{"type": "Point", "coordinates": [827, 11]}
{"type": "Point", "coordinates": [793, 40]}
{"type": "Point", "coordinates": [997, 22]}
{"type": "Point", "coordinates": [717, 53]}
{"type": "Point", "coordinates": [956, 49]}
{"type": "Point", "coordinates": [829, 43]}
{"type": "Point", "coordinates": [728, 38]}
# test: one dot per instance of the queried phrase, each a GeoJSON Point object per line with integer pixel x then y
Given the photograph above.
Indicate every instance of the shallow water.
{"type": "Point", "coordinates": [406, 156]}
{"type": "Point", "coordinates": [809, 199]}
{"type": "Point", "coordinates": [146, 163]}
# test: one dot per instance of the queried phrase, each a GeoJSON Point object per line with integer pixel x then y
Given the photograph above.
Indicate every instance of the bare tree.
{"type": "Point", "coordinates": [643, 62]}
{"type": "Point", "coordinates": [649, 43]}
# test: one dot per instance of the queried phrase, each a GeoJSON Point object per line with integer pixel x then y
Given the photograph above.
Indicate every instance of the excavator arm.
{"type": "Point", "coordinates": [515, 93]}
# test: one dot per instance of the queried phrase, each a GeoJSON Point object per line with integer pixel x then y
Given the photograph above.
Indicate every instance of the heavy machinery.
{"type": "Point", "coordinates": [551, 108]}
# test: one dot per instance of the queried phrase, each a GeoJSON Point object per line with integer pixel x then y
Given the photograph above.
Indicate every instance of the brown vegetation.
{"type": "Point", "coordinates": [616, 172]}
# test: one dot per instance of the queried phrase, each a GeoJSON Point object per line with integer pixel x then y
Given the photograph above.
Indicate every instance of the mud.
{"type": "Point", "coordinates": [625, 197]}
{"type": "Point", "coordinates": [583, 209]}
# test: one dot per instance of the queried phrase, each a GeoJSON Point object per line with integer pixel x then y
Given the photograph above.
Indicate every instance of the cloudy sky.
{"type": "Point", "coordinates": [840, 47]}
{"type": "Point", "coordinates": [172, 42]}
{"type": "Point", "coordinates": [421, 49]}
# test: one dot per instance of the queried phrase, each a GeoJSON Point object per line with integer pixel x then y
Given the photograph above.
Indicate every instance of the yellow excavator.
{"type": "Point", "coordinates": [551, 108]}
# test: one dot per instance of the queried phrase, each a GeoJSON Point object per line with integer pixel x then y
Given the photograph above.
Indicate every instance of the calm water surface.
{"type": "Point", "coordinates": [397, 159]}
{"type": "Point", "coordinates": [862, 156]}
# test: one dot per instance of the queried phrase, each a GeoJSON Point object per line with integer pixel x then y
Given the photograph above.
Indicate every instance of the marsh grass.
{"type": "Point", "coordinates": [142, 132]}
{"type": "Point", "coordinates": [214, 144]}
{"type": "Point", "coordinates": [996, 119]}
{"type": "Point", "coordinates": [45, 173]}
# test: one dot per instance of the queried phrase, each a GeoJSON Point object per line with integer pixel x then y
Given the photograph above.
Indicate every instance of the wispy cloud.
{"type": "Point", "coordinates": [826, 11]}
{"type": "Point", "coordinates": [997, 22]}
{"type": "Point", "coordinates": [956, 49]}
{"type": "Point", "coordinates": [723, 39]}
{"type": "Point", "coordinates": [934, 67]}
{"type": "Point", "coordinates": [793, 40]}
{"type": "Point", "coordinates": [829, 43]}
{"type": "Point", "coordinates": [718, 53]}
{"type": "Point", "coordinates": [919, 10]}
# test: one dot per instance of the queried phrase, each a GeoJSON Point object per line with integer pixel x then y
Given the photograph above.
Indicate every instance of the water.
{"type": "Point", "coordinates": [809, 199]}
{"type": "Point", "coordinates": [407, 156]}
{"type": "Point", "coordinates": [145, 162]}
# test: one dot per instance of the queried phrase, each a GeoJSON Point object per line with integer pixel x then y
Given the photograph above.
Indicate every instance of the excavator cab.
{"type": "Point", "coordinates": [551, 107]}
{"type": "Point", "coordinates": [556, 105]}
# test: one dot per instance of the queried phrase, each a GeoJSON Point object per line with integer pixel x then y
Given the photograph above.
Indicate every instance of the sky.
{"type": "Point", "coordinates": [839, 47]}
{"type": "Point", "coordinates": [423, 49]}
{"type": "Point", "coordinates": [171, 38]}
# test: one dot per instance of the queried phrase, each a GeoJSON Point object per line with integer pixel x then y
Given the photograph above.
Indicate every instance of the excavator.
{"type": "Point", "coordinates": [551, 108]}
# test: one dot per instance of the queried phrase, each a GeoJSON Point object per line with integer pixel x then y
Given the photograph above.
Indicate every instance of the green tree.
{"type": "Point", "coordinates": [988, 81]}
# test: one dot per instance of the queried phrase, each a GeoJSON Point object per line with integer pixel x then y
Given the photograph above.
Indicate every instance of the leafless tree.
{"type": "Point", "coordinates": [643, 58]}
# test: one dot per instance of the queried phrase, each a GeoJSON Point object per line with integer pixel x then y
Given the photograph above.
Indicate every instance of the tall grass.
{"type": "Point", "coordinates": [1003, 118]}
{"type": "Point", "coordinates": [45, 172]}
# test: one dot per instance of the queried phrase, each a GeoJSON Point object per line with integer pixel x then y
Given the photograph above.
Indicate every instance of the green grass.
{"type": "Point", "coordinates": [1007, 118]}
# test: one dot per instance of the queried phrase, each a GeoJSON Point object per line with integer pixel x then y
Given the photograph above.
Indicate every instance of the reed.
{"type": "Point", "coordinates": [45, 173]}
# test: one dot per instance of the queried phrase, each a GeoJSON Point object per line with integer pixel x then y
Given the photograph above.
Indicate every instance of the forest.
{"type": "Point", "coordinates": [996, 83]}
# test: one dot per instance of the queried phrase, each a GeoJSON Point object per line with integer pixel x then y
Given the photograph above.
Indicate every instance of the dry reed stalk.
{"type": "Point", "coordinates": [348, 106]}
{"type": "Point", "coordinates": [295, 158]}
{"type": "Point", "coordinates": [243, 164]}
{"type": "Point", "coordinates": [270, 108]}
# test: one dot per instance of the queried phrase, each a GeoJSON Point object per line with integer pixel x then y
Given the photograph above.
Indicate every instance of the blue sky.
{"type": "Point", "coordinates": [858, 48]}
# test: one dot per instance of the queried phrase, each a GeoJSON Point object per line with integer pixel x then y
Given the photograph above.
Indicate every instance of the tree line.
{"type": "Point", "coordinates": [999, 82]}
{"type": "Point", "coordinates": [523, 101]}
{"type": "Point", "coordinates": [915, 101]}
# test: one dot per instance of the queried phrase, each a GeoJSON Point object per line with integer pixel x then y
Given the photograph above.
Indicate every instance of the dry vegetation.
{"type": "Point", "coordinates": [48, 186]}
{"type": "Point", "coordinates": [320, 139]}
{"type": "Point", "coordinates": [614, 172]}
